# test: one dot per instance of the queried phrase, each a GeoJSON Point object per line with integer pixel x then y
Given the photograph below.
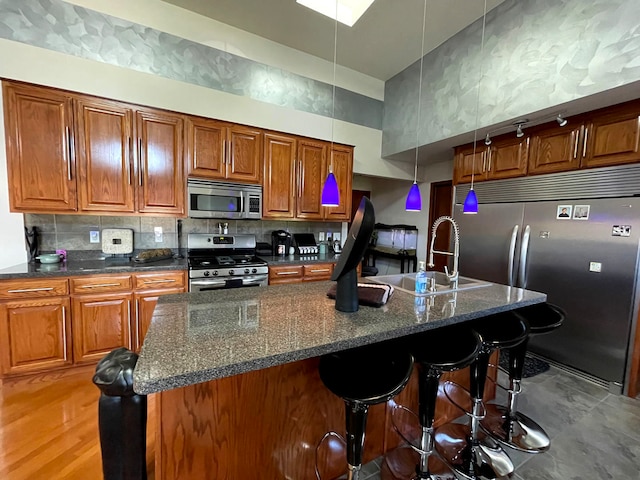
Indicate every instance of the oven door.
{"type": "Point", "coordinates": [206, 202]}
{"type": "Point", "coordinates": [204, 284]}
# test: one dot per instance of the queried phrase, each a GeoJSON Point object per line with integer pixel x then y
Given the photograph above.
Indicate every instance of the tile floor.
{"type": "Point", "coordinates": [594, 434]}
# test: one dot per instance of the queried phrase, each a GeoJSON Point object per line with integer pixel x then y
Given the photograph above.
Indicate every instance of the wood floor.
{"type": "Point", "coordinates": [49, 428]}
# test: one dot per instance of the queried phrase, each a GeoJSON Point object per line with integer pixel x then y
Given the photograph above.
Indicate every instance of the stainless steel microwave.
{"type": "Point", "coordinates": [209, 199]}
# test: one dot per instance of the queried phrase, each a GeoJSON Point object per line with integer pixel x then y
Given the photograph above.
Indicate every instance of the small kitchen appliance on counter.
{"type": "Point", "coordinates": [224, 261]}
{"type": "Point", "coordinates": [281, 242]}
{"type": "Point", "coordinates": [306, 243]}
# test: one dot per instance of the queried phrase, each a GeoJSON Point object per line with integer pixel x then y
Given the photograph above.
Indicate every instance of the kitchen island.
{"type": "Point", "coordinates": [237, 372]}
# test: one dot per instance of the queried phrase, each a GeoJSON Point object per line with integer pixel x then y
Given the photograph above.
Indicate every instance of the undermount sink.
{"type": "Point", "coordinates": [407, 283]}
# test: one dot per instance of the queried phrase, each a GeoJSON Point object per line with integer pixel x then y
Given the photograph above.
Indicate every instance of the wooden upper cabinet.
{"type": "Point", "coordinates": [279, 180]}
{"type": "Point", "coordinates": [104, 136]}
{"type": "Point", "coordinates": [343, 171]}
{"type": "Point", "coordinates": [311, 173]}
{"type": "Point", "coordinates": [161, 183]}
{"type": "Point", "coordinates": [40, 160]}
{"type": "Point", "coordinates": [507, 157]}
{"type": "Point", "coordinates": [220, 150]}
{"type": "Point", "coordinates": [470, 162]}
{"type": "Point", "coordinates": [554, 149]}
{"type": "Point", "coordinates": [613, 137]}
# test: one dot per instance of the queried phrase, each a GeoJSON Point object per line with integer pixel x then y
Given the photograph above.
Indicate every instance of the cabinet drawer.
{"type": "Point", "coordinates": [92, 284]}
{"type": "Point", "coordinates": [158, 280]}
{"type": "Point", "coordinates": [42, 287]}
{"type": "Point", "coordinates": [285, 274]}
{"type": "Point", "coordinates": [318, 271]}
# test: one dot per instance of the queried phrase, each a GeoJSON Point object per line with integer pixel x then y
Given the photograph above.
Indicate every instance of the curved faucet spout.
{"type": "Point", "coordinates": [453, 276]}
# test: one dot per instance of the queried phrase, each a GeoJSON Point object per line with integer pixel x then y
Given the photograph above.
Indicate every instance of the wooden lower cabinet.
{"type": "Point", "coordinates": [144, 305]}
{"type": "Point", "coordinates": [317, 272]}
{"type": "Point", "coordinates": [101, 323]}
{"type": "Point", "coordinates": [314, 272]}
{"type": "Point", "coordinates": [35, 335]}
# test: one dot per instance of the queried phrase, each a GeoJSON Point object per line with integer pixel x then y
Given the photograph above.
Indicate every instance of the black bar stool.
{"type": "Point", "coordinates": [363, 377]}
{"type": "Point", "coordinates": [443, 350]}
{"type": "Point", "coordinates": [466, 449]}
{"type": "Point", "coordinates": [503, 422]}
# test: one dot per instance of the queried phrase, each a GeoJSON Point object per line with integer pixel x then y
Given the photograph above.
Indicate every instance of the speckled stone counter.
{"type": "Point", "coordinates": [300, 259]}
{"type": "Point", "coordinates": [87, 267]}
{"type": "Point", "coordinates": [196, 337]}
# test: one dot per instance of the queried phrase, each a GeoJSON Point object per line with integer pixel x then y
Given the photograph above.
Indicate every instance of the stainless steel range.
{"type": "Point", "coordinates": [224, 261]}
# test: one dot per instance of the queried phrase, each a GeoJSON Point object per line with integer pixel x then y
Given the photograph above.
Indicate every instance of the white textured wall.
{"type": "Point", "coordinates": [12, 246]}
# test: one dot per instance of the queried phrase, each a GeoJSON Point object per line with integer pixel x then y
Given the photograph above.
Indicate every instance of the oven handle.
{"type": "Point", "coordinates": [213, 282]}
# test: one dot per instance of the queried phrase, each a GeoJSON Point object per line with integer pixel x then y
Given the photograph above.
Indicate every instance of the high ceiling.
{"type": "Point", "coordinates": [382, 43]}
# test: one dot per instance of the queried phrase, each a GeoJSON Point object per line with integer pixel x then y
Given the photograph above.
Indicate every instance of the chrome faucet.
{"type": "Point", "coordinates": [453, 276]}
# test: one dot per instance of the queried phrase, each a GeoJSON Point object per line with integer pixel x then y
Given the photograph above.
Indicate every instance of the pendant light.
{"type": "Point", "coordinates": [414, 199]}
{"type": "Point", "coordinates": [470, 205]}
{"type": "Point", "coordinates": [330, 191]}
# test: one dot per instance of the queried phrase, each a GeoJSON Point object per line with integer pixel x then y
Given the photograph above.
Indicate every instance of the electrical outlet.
{"type": "Point", "coordinates": [321, 236]}
{"type": "Point", "coordinates": [336, 236]}
{"type": "Point", "coordinates": [94, 236]}
{"type": "Point", "coordinates": [157, 233]}
{"type": "Point", "coordinates": [595, 267]}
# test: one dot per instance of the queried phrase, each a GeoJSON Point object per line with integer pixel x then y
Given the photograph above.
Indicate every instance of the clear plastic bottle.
{"type": "Point", "coordinates": [421, 279]}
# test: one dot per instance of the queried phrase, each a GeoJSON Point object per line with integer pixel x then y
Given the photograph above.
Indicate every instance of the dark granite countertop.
{"type": "Point", "coordinates": [88, 267]}
{"type": "Point", "coordinates": [197, 337]}
{"type": "Point", "coordinates": [296, 259]}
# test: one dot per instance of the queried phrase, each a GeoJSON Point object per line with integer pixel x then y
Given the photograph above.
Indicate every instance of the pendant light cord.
{"type": "Point", "coordinates": [475, 132]}
{"type": "Point", "coordinates": [333, 96]}
{"type": "Point", "coordinates": [424, 21]}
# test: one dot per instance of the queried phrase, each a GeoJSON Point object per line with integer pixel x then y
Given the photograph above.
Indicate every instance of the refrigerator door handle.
{"type": "Point", "coordinates": [524, 250]}
{"type": "Point", "coordinates": [512, 253]}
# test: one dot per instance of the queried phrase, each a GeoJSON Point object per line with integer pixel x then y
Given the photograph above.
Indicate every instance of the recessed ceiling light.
{"type": "Point", "coordinates": [349, 11]}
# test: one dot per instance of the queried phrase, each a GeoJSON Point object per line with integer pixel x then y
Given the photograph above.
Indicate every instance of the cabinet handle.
{"type": "Point", "coordinates": [584, 144]}
{"type": "Point", "coordinates": [299, 178]}
{"type": "Point", "coordinates": [130, 144]}
{"type": "Point", "coordinates": [64, 331]}
{"type": "Point", "coordinates": [167, 280]}
{"type": "Point", "coordinates": [575, 145]}
{"type": "Point", "coordinates": [98, 285]}
{"type": "Point", "coordinates": [320, 270]}
{"type": "Point", "coordinates": [224, 152]}
{"type": "Point", "coordinates": [137, 325]}
{"type": "Point", "coordinates": [129, 323]}
{"type": "Point", "coordinates": [489, 167]}
{"type": "Point", "coordinates": [287, 273]}
{"type": "Point", "coordinates": [484, 161]}
{"type": "Point", "coordinates": [25, 290]}
{"type": "Point", "coordinates": [140, 173]}
{"type": "Point", "coordinates": [68, 134]}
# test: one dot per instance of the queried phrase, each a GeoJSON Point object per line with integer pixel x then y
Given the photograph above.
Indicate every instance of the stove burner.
{"type": "Point", "coordinates": [205, 263]}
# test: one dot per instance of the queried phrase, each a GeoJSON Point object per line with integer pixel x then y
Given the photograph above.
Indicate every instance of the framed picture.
{"type": "Point", "coordinates": [581, 212]}
{"type": "Point", "coordinates": [564, 212]}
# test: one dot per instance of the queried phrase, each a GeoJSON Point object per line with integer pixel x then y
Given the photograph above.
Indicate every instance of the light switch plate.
{"type": "Point", "coordinates": [157, 233]}
{"type": "Point", "coordinates": [336, 236]}
{"type": "Point", "coordinates": [595, 267]}
{"type": "Point", "coordinates": [94, 236]}
{"type": "Point", "coordinates": [321, 236]}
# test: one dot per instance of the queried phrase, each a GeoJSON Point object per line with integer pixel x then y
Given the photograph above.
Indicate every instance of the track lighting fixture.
{"type": "Point", "coordinates": [561, 120]}
{"type": "Point", "coordinates": [487, 139]}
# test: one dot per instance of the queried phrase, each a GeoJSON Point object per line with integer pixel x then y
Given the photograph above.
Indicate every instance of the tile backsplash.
{"type": "Point", "coordinates": [72, 232]}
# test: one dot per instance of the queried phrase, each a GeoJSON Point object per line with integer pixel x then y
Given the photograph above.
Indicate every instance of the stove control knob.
{"type": "Point", "coordinates": [231, 272]}
{"type": "Point", "coordinates": [206, 274]}
{"type": "Point", "coordinates": [215, 273]}
{"type": "Point", "coordinates": [255, 270]}
{"type": "Point", "coordinates": [247, 271]}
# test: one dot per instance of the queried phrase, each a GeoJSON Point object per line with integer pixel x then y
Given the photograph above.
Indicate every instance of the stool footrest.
{"type": "Point", "coordinates": [516, 431]}
{"type": "Point", "coordinates": [461, 398]}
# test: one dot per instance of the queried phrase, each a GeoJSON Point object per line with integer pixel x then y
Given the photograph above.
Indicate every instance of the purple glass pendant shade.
{"type": "Point", "coordinates": [414, 200]}
{"type": "Point", "coordinates": [330, 192]}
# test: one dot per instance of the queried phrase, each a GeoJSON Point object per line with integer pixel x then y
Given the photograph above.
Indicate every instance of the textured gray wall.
{"type": "Point", "coordinates": [73, 30]}
{"type": "Point", "coordinates": [538, 54]}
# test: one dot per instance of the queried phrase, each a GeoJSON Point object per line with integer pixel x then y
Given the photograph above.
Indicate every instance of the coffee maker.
{"type": "Point", "coordinates": [281, 242]}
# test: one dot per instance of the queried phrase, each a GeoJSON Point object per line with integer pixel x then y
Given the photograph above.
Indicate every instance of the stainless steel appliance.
{"type": "Point", "coordinates": [208, 199]}
{"type": "Point", "coordinates": [586, 262]}
{"type": "Point", "coordinates": [224, 261]}
{"type": "Point", "coordinates": [281, 242]}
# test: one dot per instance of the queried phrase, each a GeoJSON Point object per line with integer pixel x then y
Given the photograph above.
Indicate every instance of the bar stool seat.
{"type": "Point", "coordinates": [503, 422]}
{"type": "Point", "coordinates": [465, 448]}
{"type": "Point", "coordinates": [437, 351]}
{"type": "Point", "coordinates": [362, 377]}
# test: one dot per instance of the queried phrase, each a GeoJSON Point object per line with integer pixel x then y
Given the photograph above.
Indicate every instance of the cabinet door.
{"type": "Point", "coordinates": [100, 324]}
{"type": "Point", "coordinates": [160, 159]}
{"type": "Point", "coordinates": [317, 272]}
{"type": "Point", "coordinates": [279, 181]}
{"type": "Point", "coordinates": [285, 274]}
{"type": "Point", "coordinates": [469, 162]}
{"type": "Point", "coordinates": [508, 158]}
{"type": "Point", "coordinates": [35, 335]}
{"type": "Point", "coordinates": [311, 168]}
{"type": "Point", "coordinates": [613, 138]}
{"type": "Point", "coordinates": [206, 148]}
{"type": "Point", "coordinates": [343, 170]}
{"type": "Point", "coordinates": [40, 154]}
{"type": "Point", "coordinates": [554, 150]}
{"type": "Point", "coordinates": [104, 138]}
{"type": "Point", "coordinates": [245, 154]}
{"type": "Point", "coordinates": [145, 304]}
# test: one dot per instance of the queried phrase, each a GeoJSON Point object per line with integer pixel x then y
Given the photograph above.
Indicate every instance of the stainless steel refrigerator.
{"type": "Point", "coordinates": [585, 258]}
